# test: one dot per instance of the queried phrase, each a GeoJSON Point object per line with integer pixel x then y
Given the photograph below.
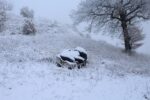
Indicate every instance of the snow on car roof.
{"type": "Point", "coordinates": [72, 54]}
{"type": "Point", "coordinates": [81, 49]}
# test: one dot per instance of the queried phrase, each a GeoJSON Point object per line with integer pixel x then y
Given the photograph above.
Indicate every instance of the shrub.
{"type": "Point", "coordinates": [29, 27]}
{"type": "Point", "coordinates": [4, 7]}
{"type": "Point", "coordinates": [136, 37]}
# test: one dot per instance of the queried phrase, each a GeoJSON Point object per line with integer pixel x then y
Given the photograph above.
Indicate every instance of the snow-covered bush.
{"type": "Point", "coordinates": [27, 13]}
{"type": "Point", "coordinates": [28, 27]}
{"type": "Point", "coordinates": [136, 37]}
{"type": "Point", "coordinates": [72, 58]}
{"type": "Point", "coordinates": [4, 7]}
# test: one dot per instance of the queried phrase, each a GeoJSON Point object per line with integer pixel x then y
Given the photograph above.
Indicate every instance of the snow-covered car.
{"type": "Point", "coordinates": [82, 52]}
{"type": "Point", "coordinates": [72, 58]}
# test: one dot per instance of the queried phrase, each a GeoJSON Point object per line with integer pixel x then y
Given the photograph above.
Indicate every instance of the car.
{"type": "Point", "coordinates": [72, 58]}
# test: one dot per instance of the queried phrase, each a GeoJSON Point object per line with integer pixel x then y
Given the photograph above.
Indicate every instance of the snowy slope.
{"type": "Point", "coordinates": [28, 71]}
{"type": "Point", "coordinates": [119, 43]}
{"type": "Point", "coordinates": [146, 30]}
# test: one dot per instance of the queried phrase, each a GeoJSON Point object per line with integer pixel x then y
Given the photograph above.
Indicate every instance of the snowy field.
{"type": "Point", "coordinates": [28, 70]}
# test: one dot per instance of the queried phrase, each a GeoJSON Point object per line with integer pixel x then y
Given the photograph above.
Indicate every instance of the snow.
{"type": "Point", "coordinates": [81, 49]}
{"type": "Point", "coordinates": [28, 71]}
{"type": "Point", "coordinates": [70, 54]}
{"type": "Point", "coordinates": [36, 81]}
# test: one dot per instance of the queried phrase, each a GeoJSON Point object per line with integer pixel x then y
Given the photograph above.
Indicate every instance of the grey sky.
{"type": "Point", "coordinates": [52, 9]}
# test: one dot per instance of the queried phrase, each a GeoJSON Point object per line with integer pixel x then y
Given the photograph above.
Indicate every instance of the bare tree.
{"type": "Point", "coordinates": [4, 7]}
{"type": "Point", "coordinates": [26, 12]}
{"type": "Point", "coordinates": [115, 14]}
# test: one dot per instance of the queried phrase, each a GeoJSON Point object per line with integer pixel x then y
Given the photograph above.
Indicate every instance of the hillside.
{"type": "Point", "coordinates": [28, 71]}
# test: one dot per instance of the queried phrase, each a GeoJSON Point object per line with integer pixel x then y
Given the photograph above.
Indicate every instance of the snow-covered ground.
{"type": "Point", "coordinates": [28, 71]}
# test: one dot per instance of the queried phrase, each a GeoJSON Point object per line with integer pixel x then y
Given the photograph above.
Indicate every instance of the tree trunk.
{"type": "Point", "coordinates": [126, 37]}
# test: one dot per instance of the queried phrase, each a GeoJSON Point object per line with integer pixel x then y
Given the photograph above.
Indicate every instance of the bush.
{"type": "Point", "coordinates": [29, 27]}
{"type": "Point", "coordinates": [4, 7]}
{"type": "Point", "coordinates": [136, 37]}
{"type": "Point", "coordinates": [2, 21]}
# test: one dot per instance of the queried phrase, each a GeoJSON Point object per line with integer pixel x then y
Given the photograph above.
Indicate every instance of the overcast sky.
{"type": "Point", "coordinates": [52, 9]}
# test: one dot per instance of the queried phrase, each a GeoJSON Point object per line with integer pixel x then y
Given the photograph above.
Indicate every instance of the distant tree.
{"type": "Point", "coordinates": [28, 27]}
{"type": "Point", "coordinates": [27, 13]}
{"type": "Point", "coordinates": [115, 14]}
{"type": "Point", "coordinates": [4, 7]}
